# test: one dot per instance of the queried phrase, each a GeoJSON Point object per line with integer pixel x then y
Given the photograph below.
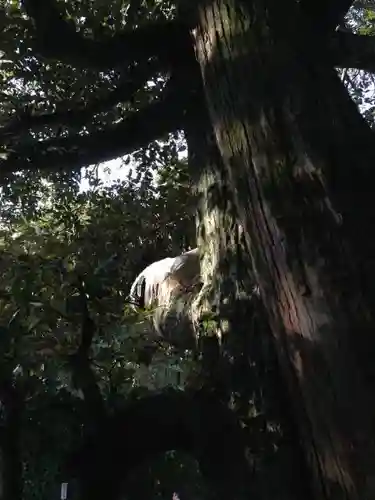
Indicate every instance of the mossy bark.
{"type": "Point", "coordinates": [293, 212]}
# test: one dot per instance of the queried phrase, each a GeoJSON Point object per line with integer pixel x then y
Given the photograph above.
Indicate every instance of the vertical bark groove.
{"type": "Point", "coordinates": [242, 372]}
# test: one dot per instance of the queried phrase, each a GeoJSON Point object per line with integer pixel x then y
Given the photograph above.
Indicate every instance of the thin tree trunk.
{"type": "Point", "coordinates": [11, 460]}
{"type": "Point", "coordinates": [299, 166]}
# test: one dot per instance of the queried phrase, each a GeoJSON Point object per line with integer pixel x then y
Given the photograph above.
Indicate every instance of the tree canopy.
{"type": "Point", "coordinates": [123, 78]}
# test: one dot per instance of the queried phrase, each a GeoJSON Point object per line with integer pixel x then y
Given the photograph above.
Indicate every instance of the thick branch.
{"type": "Point", "coordinates": [172, 420]}
{"type": "Point", "coordinates": [325, 15]}
{"type": "Point", "coordinates": [58, 39]}
{"type": "Point", "coordinates": [135, 78]}
{"type": "Point", "coordinates": [138, 130]}
{"type": "Point", "coordinates": [353, 51]}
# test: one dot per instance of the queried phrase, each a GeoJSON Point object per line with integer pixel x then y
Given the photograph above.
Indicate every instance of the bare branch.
{"type": "Point", "coordinates": [353, 51]}
{"type": "Point", "coordinates": [58, 39]}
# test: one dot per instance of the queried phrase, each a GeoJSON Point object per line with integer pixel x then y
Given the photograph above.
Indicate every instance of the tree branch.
{"type": "Point", "coordinates": [20, 124]}
{"type": "Point", "coordinates": [353, 51]}
{"type": "Point", "coordinates": [58, 39]}
{"type": "Point", "coordinates": [195, 422]}
{"type": "Point", "coordinates": [325, 15]}
{"type": "Point", "coordinates": [135, 131]}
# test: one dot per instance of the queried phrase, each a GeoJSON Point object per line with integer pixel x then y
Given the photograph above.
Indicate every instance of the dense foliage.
{"type": "Point", "coordinates": [98, 239]}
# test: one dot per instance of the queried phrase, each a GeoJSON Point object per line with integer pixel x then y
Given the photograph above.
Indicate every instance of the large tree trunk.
{"type": "Point", "coordinates": [299, 181]}
{"type": "Point", "coordinates": [242, 369]}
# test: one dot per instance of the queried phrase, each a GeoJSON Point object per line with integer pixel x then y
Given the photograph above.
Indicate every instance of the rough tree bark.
{"type": "Point", "coordinates": [298, 160]}
{"type": "Point", "coordinates": [243, 370]}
